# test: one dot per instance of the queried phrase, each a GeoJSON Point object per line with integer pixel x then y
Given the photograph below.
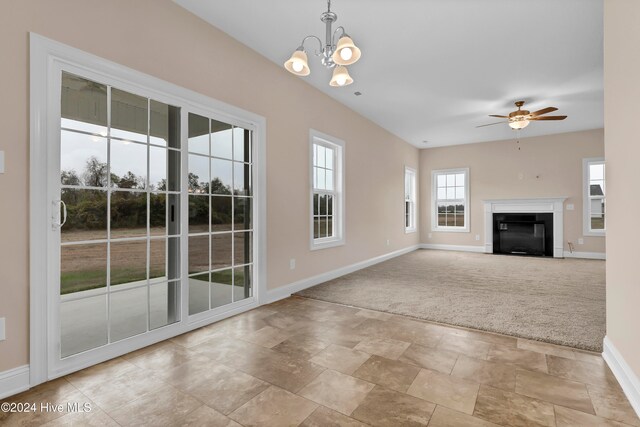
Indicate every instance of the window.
{"type": "Point", "coordinates": [327, 206]}
{"type": "Point", "coordinates": [450, 198]}
{"type": "Point", "coordinates": [409, 200]}
{"type": "Point", "coordinates": [594, 197]}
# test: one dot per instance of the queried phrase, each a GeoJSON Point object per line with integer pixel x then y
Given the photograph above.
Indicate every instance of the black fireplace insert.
{"type": "Point", "coordinates": [523, 234]}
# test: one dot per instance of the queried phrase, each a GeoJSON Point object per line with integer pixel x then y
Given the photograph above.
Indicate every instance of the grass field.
{"type": "Point", "coordinates": [451, 219]}
{"type": "Point", "coordinates": [84, 267]}
{"type": "Point", "coordinates": [77, 281]}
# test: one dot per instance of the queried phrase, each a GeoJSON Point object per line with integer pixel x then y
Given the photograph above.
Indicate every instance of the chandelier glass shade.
{"type": "Point", "coordinates": [298, 64]}
{"type": "Point", "coordinates": [340, 77]}
{"type": "Point", "coordinates": [332, 55]}
{"type": "Point", "coordinates": [347, 52]}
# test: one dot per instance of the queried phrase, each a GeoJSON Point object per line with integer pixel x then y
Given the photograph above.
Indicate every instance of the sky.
{"type": "Point", "coordinates": [127, 155]}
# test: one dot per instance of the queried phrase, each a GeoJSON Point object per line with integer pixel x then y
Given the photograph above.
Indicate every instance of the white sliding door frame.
{"type": "Point", "coordinates": [48, 60]}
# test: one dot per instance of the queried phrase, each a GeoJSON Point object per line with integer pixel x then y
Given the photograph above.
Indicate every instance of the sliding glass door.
{"type": "Point", "coordinates": [119, 206]}
{"type": "Point", "coordinates": [127, 165]}
{"type": "Point", "coordinates": [144, 210]}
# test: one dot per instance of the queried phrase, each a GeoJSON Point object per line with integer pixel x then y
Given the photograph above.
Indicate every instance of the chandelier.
{"type": "Point", "coordinates": [336, 56]}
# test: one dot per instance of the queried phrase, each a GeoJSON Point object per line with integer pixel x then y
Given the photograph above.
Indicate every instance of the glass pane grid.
{"type": "Point", "coordinates": [450, 196]}
{"type": "Point", "coordinates": [409, 199]}
{"type": "Point", "coordinates": [596, 198]}
{"type": "Point", "coordinates": [323, 192]}
{"type": "Point", "coordinates": [131, 217]}
{"type": "Point", "coordinates": [224, 217]}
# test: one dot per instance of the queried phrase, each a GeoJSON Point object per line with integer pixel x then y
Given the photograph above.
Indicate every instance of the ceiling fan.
{"type": "Point", "coordinates": [520, 119]}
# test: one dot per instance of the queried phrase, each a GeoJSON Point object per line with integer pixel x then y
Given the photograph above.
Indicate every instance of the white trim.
{"type": "Point", "coordinates": [459, 248]}
{"type": "Point", "coordinates": [585, 255]}
{"type": "Point", "coordinates": [338, 146]}
{"type": "Point", "coordinates": [586, 220]}
{"type": "Point", "coordinates": [414, 199]}
{"type": "Point", "coordinates": [553, 205]}
{"type": "Point", "coordinates": [434, 201]}
{"type": "Point", "coordinates": [47, 59]}
{"type": "Point", "coordinates": [38, 291]}
{"type": "Point", "coordinates": [14, 381]}
{"type": "Point", "coordinates": [287, 290]}
{"type": "Point", "coordinates": [628, 379]}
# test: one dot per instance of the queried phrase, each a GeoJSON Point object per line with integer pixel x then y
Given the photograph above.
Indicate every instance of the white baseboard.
{"type": "Point", "coordinates": [460, 248]}
{"type": "Point", "coordinates": [480, 249]}
{"type": "Point", "coordinates": [14, 381]}
{"type": "Point", "coordinates": [624, 374]}
{"type": "Point", "coordinates": [287, 290]}
{"type": "Point", "coordinates": [585, 255]}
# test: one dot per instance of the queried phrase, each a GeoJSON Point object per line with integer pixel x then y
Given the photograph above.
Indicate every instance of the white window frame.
{"type": "Point", "coordinates": [338, 145]}
{"type": "Point", "coordinates": [48, 59]}
{"type": "Point", "coordinates": [434, 201]}
{"type": "Point", "coordinates": [410, 173]}
{"type": "Point", "coordinates": [586, 198]}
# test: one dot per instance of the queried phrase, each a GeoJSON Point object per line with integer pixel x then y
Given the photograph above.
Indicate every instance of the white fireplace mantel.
{"type": "Point", "coordinates": [553, 205]}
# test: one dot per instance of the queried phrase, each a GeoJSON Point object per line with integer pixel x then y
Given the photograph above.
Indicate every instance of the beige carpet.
{"type": "Point", "coordinates": [552, 300]}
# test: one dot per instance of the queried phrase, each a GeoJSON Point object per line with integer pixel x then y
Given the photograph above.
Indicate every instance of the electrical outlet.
{"type": "Point", "coordinates": [581, 241]}
{"type": "Point", "coordinates": [292, 264]}
{"type": "Point", "coordinates": [2, 333]}
{"type": "Point", "coordinates": [1, 161]}
{"type": "Point", "coordinates": [520, 176]}
{"type": "Point", "coordinates": [388, 242]}
{"type": "Point", "coordinates": [570, 207]}
{"type": "Point", "coordinates": [429, 235]}
{"type": "Point", "coordinates": [477, 237]}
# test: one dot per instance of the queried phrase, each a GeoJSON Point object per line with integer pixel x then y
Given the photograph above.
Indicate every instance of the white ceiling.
{"type": "Point", "coordinates": [434, 69]}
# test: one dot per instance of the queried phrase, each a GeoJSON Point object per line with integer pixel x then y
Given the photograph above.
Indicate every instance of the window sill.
{"type": "Point", "coordinates": [315, 246]}
{"type": "Point", "coordinates": [410, 230]}
{"type": "Point", "coordinates": [594, 233]}
{"type": "Point", "coordinates": [450, 230]}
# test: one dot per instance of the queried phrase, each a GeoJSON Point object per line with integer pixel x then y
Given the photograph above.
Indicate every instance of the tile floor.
{"type": "Point", "coordinates": [311, 363]}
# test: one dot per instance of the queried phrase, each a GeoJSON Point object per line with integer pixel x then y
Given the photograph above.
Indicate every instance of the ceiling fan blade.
{"type": "Point", "coordinates": [495, 115]}
{"type": "Point", "coordinates": [543, 111]}
{"type": "Point", "coordinates": [549, 118]}
{"type": "Point", "coordinates": [490, 124]}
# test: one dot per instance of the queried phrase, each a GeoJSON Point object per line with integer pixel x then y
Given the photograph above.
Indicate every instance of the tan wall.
{"type": "Point", "coordinates": [161, 39]}
{"type": "Point", "coordinates": [622, 91]}
{"type": "Point", "coordinates": [551, 166]}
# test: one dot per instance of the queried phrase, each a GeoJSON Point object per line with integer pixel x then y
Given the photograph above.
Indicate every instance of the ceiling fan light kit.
{"type": "Point", "coordinates": [332, 55]}
{"type": "Point", "coordinates": [520, 118]}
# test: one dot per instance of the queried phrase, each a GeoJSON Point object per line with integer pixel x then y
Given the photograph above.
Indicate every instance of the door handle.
{"type": "Point", "coordinates": [59, 223]}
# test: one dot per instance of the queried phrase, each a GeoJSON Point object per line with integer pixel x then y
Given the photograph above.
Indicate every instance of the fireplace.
{"type": "Point", "coordinates": [523, 234]}
{"type": "Point", "coordinates": [530, 226]}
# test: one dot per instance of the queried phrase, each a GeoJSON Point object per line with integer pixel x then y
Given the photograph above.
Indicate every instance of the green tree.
{"type": "Point", "coordinates": [194, 183]}
{"type": "Point", "coordinates": [70, 178]}
{"type": "Point", "coordinates": [95, 173]}
{"type": "Point", "coordinates": [218, 187]}
{"type": "Point", "coordinates": [130, 180]}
